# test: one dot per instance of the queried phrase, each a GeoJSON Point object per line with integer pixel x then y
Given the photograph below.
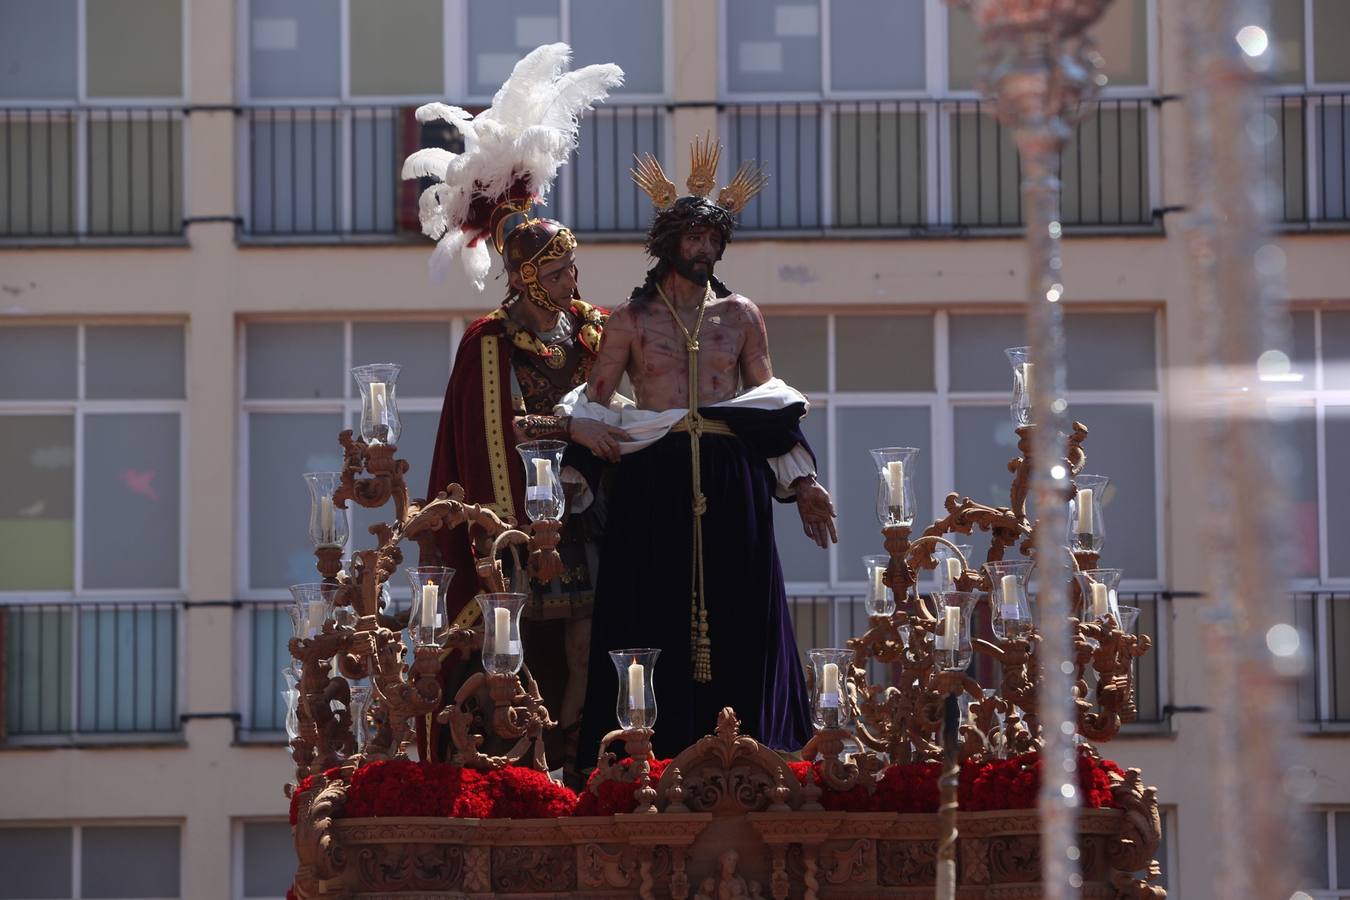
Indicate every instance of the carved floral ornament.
{"type": "Point", "coordinates": [787, 842]}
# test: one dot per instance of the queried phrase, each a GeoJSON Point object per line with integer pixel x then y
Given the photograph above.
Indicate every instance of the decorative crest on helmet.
{"type": "Point", "coordinates": [512, 153]}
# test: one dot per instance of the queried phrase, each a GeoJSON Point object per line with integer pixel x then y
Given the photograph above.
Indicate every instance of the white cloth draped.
{"type": "Point", "coordinates": [647, 426]}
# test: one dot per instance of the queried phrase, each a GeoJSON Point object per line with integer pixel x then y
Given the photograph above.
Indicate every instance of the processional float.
{"type": "Point", "coordinates": [727, 813]}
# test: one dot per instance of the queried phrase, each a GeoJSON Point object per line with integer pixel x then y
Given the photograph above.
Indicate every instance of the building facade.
{"type": "Point", "coordinates": [202, 229]}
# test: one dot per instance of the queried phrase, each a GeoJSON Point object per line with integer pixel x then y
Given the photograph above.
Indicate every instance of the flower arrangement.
{"type": "Point", "coordinates": [406, 788]}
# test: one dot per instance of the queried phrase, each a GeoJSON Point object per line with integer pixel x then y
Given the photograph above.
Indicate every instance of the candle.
{"type": "Point", "coordinates": [879, 585]}
{"type": "Point", "coordinates": [543, 474]}
{"type": "Point", "coordinates": [895, 479]}
{"type": "Point", "coordinates": [501, 637]}
{"type": "Point", "coordinates": [316, 616]}
{"type": "Point", "coordinates": [428, 612]}
{"type": "Point", "coordinates": [637, 686]}
{"type": "Point", "coordinates": [953, 569]}
{"type": "Point", "coordinates": [1084, 512]}
{"type": "Point", "coordinates": [829, 686]}
{"type": "Point", "coordinates": [1026, 380]}
{"type": "Point", "coordinates": [1012, 593]}
{"type": "Point", "coordinates": [327, 532]}
{"type": "Point", "coordinates": [1100, 601]}
{"type": "Point", "coordinates": [951, 628]}
{"type": "Point", "coordinates": [378, 403]}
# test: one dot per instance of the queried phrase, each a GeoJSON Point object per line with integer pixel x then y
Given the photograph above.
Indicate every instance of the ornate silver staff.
{"type": "Point", "coordinates": [1038, 67]}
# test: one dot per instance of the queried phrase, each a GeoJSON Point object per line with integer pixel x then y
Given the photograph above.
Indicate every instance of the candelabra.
{"type": "Point", "coordinates": [927, 642]}
{"type": "Point", "coordinates": [347, 631]}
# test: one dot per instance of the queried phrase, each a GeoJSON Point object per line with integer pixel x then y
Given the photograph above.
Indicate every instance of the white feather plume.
{"type": "Point", "coordinates": [429, 162]}
{"type": "Point", "coordinates": [528, 132]}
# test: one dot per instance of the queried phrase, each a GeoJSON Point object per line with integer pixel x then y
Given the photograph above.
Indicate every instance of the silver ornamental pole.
{"type": "Point", "coordinates": [1039, 69]}
{"type": "Point", "coordinates": [1235, 274]}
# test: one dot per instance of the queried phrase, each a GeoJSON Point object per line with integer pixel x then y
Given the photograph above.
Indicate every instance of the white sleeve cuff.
{"type": "Point", "coordinates": [788, 468]}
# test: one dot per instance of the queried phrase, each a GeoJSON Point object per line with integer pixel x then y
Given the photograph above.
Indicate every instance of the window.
{"type": "Point", "coordinates": [331, 121]}
{"type": "Point", "coordinates": [91, 144]}
{"type": "Point", "coordinates": [950, 398]}
{"type": "Point", "coordinates": [91, 536]}
{"type": "Point", "coordinates": [1314, 414]}
{"type": "Point", "coordinates": [1305, 137]}
{"type": "Point", "coordinates": [856, 137]}
{"type": "Point", "coordinates": [264, 860]}
{"type": "Point", "coordinates": [1327, 832]}
{"type": "Point", "coordinates": [81, 862]}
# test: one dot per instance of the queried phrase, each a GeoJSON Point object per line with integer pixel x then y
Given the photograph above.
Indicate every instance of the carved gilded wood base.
{"type": "Point", "coordinates": [690, 855]}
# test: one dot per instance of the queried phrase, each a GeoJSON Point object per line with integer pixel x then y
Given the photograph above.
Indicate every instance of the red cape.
{"type": "Point", "coordinates": [476, 446]}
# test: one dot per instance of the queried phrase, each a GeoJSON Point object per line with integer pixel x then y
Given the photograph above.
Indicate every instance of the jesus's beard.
{"type": "Point", "coordinates": [699, 271]}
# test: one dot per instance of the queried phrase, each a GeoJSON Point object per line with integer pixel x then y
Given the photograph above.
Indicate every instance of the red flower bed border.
{"type": "Point", "coordinates": [405, 788]}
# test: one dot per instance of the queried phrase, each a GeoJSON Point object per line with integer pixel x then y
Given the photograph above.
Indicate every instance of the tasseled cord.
{"type": "Point", "coordinates": [699, 639]}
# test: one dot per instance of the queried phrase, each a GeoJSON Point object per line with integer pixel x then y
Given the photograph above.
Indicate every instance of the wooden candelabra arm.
{"type": "Point", "coordinates": [518, 712]}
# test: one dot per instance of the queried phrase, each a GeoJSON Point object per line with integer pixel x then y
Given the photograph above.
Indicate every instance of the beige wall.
{"type": "Point", "coordinates": [208, 780]}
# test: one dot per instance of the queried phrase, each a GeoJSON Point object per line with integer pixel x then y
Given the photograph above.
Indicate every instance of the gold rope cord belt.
{"type": "Point", "coordinates": [696, 425]}
{"type": "Point", "coordinates": [709, 426]}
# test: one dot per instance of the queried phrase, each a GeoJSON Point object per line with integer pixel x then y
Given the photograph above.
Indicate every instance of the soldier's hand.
{"type": "Point", "coordinates": [817, 512]}
{"type": "Point", "coordinates": [597, 437]}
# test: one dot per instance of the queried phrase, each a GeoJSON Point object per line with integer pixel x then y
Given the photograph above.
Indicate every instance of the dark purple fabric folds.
{"type": "Point", "coordinates": [644, 589]}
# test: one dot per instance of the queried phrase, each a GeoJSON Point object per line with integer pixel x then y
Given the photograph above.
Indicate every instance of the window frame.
{"type": "Point", "coordinates": [1328, 814]}
{"type": "Point", "coordinates": [936, 54]}
{"type": "Point", "coordinates": [344, 108]}
{"type": "Point", "coordinates": [237, 861]}
{"type": "Point", "coordinates": [77, 826]}
{"type": "Point", "coordinates": [454, 62]}
{"type": "Point", "coordinates": [82, 97]}
{"type": "Point", "coordinates": [942, 403]}
{"type": "Point", "coordinates": [349, 405]}
{"type": "Point", "coordinates": [1318, 397]}
{"type": "Point", "coordinates": [82, 108]}
{"type": "Point", "coordinates": [78, 407]}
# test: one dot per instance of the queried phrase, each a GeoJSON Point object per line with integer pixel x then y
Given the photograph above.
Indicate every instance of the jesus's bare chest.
{"type": "Point", "coordinates": [660, 356]}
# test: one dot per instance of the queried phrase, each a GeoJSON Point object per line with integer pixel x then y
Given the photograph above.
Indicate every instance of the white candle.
{"type": "Point", "coordinates": [1084, 512]}
{"type": "Point", "coordinates": [895, 479]}
{"type": "Point", "coordinates": [378, 403]}
{"type": "Point", "coordinates": [953, 569]}
{"type": "Point", "coordinates": [1100, 604]}
{"type": "Point", "coordinates": [1026, 380]}
{"type": "Point", "coordinates": [429, 597]}
{"type": "Point", "coordinates": [501, 637]}
{"type": "Point", "coordinates": [316, 616]}
{"type": "Point", "coordinates": [1012, 593]}
{"type": "Point", "coordinates": [829, 686]}
{"type": "Point", "coordinates": [879, 585]}
{"type": "Point", "coordinates": [543, 474]}
{"type": "Point", "coordinates": [637, 686]}
{"type": "Point", "coordinates": [327, 531]}
{"type": "Point", "coordinates": [951, 628]}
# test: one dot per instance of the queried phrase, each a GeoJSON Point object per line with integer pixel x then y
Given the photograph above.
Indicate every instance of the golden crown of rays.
{"type": "Point", "coordinates": [704, 155]}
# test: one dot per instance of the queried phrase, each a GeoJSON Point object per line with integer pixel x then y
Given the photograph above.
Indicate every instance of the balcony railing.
{"type": "Point", "coordinates": [91, 172]}
{"type": "Point", "coordinates": [269, 631]}
{"type": "Point", "coordinates": [95, 670]}
{"type": "Point", "coordinates": [322, 173]}
{"type": "Point", "coordinates": [1306, 138]}
{"type": "Point", "coordinates": [827, 620]}
{"type": "Point", "coordinates": [934, 166]}
{"type": "Point", "coordinates": [907, 167]}
{"type": "Point", "coordinates": [1323, 621]}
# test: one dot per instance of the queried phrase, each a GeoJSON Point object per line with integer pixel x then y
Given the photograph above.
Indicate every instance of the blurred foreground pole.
{"type": "Point", "coordinates": [1235, 273]}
